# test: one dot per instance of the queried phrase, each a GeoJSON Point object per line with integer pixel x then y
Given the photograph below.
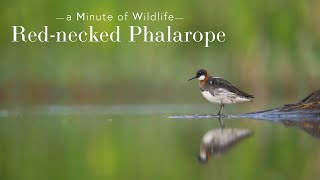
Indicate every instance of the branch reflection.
{"type": "Point", "coordinates": [312, 127]}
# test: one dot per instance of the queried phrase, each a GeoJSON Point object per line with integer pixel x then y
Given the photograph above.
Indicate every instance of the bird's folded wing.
{"type": "Point", "coordinates": [219, 83]}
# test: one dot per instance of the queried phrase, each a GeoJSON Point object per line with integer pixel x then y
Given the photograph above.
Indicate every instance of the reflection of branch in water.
{"type": "Point", "coordinates": [218, 141]}
{"type": "Point", "coordinates": [309, 126]}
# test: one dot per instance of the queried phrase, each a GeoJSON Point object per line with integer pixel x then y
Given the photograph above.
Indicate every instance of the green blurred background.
{"type": "Point", "coordinates": [271, 51]}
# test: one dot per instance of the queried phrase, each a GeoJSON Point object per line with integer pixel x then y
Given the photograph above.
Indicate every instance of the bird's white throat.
{"type": "Point", "coordinates": [201, 77]}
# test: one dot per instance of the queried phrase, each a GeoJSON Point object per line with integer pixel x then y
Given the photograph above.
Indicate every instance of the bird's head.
{"type": "Point", "coordinates": [204, 154]}
{"type": "Point", "coordinates": [203, 159]}
{"type": "Point", "coordinates": [202, 74]}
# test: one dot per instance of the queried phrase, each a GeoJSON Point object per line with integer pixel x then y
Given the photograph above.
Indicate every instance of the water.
{"type": "Point", "coordinates": [141, 142]}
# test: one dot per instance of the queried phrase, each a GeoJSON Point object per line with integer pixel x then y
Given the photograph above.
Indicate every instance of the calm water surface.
{"type": "Point", "coordinates": [141, 142]}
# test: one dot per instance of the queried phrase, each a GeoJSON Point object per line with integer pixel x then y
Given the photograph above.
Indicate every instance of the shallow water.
{"type": "Point", "coordinates": [141, 142]}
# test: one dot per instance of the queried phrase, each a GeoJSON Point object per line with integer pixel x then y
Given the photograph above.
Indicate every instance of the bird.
{"type": "Point", "coordinates": [220, 91]}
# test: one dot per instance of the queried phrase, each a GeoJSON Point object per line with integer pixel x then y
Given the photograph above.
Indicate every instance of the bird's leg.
{"type": "Point", "coordinates": [220, 115]}
{"type": "Point", "coordinates": [221, 109]}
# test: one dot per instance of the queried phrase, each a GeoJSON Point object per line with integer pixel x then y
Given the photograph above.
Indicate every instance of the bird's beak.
{"type": "Point", "coordinates": [192, 78]}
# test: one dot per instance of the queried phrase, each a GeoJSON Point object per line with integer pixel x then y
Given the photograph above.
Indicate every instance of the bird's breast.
{"type": "Point", "coordinates": [210, 97]}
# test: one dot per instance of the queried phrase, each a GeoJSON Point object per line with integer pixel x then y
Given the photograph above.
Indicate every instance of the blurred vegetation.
{"type": "Point", "coordinates": [271, 50]}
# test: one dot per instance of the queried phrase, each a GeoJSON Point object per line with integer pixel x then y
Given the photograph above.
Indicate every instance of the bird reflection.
{"type": "Point", "coordinates": [218, 141]}
{"type": "Point", "coordinates": [312, 127]}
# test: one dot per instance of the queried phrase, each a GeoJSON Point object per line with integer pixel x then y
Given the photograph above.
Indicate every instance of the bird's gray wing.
{"type": "Point", "coordinates": [218, 84]}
